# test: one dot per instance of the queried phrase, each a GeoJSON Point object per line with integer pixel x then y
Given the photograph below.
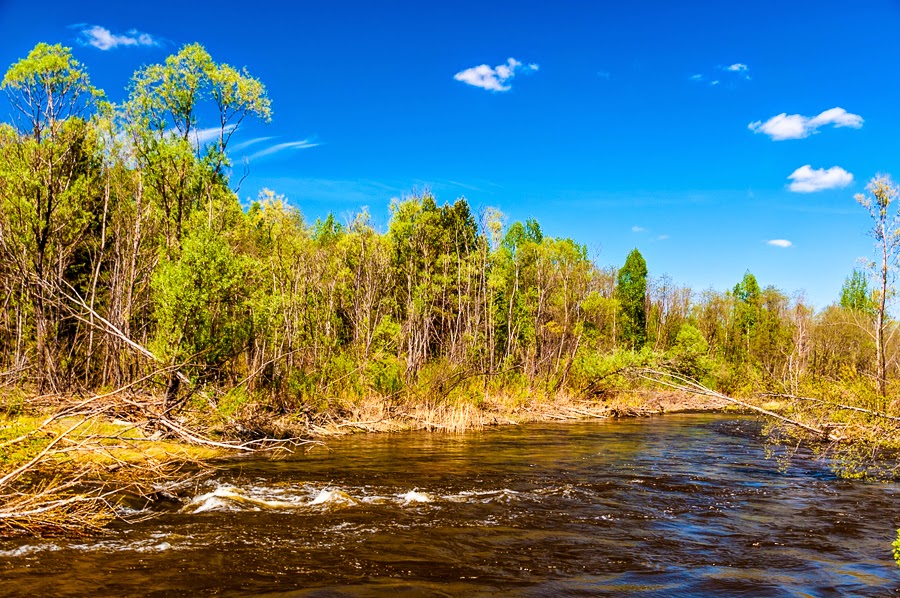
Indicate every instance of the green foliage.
{"type": "Point", "coordinates": [856, 295]}
{"type": "Point", "coordinates": [47, 87]}
{"type": "Point", "coordinates": [689, 355]}
{"type": "Point", "coordinates": [631, 292]}
{"type": "Point", "coordinates": [232, 401]}
{"type": "Point", "coordinates": [200, 300]}
{"type": "Point", "coordinates": [385, 374]}
{"type": "Point", "coordinates": [599, 372]}
{"type": "Point", "coordinates": [896, 548]}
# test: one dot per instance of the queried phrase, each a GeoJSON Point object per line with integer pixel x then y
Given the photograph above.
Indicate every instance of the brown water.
{"type": "Point", "coordinates": [681, 505]}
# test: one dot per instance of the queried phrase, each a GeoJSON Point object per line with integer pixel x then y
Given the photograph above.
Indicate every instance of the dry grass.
{"type": "Point", "coordinates": [374, 414]}
{"type": "Point", "coordinates": [66, 466]}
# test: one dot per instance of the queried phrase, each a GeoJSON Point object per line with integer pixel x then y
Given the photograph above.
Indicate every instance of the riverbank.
{"type": "Point", "coordinates": [65, 464]}
{"type": "Point", "coordinates": [68, 464]}
{"type": "Point", "coordinates": [375, 415]}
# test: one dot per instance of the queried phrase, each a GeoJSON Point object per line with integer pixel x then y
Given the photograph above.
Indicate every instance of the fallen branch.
{"type": "Point", "coordinates": [686, 384]}
{"type": "Point", "coordinates": [20, 470]}
{"type": "Point", "coordinates": [195, 439]}
{"type": "Point", "coordinates": [838, 405]}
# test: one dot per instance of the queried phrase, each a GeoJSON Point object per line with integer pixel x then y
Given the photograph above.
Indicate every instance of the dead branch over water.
{"type": "Point", "coordinates": [685, 384]}
{"type": "Point", "coordinates": [859, 443]}
{"type": "Point", "coordinates": [85, 465]}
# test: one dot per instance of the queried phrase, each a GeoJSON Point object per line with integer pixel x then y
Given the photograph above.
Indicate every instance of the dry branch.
{"type": "Point", "coordinates": [686, 384]}
{"type": "Point", "coordinates": [880, 414]}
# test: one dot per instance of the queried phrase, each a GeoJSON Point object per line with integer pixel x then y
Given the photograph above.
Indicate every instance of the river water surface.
{"type": "Point", "coordinates": [681, 505]}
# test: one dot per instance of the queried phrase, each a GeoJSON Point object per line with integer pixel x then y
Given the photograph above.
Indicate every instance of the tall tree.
{"type": "Point", "coordinates": [881, 206]}
{"type": "Point", "coordinates": [855, 293]}
{"type": "Point", "coordinates": [631, 291]}
{"type": "Point", "coordinates": [747, 312]}
{"type": "Point", "coordinates": [47, 169]}
{"type": "Point", "coordinates": [163, 111]}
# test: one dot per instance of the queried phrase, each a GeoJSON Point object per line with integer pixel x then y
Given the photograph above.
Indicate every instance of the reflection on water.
{"type": "Point", "coordinates": [671, 506]}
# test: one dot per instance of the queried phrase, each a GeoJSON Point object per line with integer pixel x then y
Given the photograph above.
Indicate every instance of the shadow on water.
{"type": "Point", "coordinates": [680, 505]}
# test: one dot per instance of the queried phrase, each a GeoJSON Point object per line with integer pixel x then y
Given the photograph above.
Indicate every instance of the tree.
{"type": "Point", "coordinates": [631, 291]}
{"type": "Point", "coordinates": [164, 105]}
{"type": "Point", "coordinates": [747, 312]}
{"type": "Point", "coordinates": [881, 206]}
{"type": "Point", "coordinates": [47, 87]}
{"type": "Point", "coordinates": [689, 354]}
{"type": "Point", "coordinates": [48, 167]}
{"type": "Point", "coordinates": [855, 294]}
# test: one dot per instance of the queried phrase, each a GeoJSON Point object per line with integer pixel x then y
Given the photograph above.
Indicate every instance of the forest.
{"type": "Point", "coordinates": [129, 261]}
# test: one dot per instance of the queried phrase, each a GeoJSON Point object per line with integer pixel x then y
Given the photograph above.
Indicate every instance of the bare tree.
{"type": "Point", "coordinates": [886, 232]}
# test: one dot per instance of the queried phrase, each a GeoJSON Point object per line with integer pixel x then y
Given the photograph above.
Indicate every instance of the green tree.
{"type": "Point", "coordinates": [631, 291]}
{"type": "Point", "coordinates": [163, 110]}
{"type": "Point", "coordinates": [855, 293]}
{"type": "Point", "coordinates": [46, 88]}
{"type": "Point", "coordinates": [747, 307]}
{"type": "Point", "coordinates": [48, 201]}
{"type": "Point", "coordinates": [690, 353]}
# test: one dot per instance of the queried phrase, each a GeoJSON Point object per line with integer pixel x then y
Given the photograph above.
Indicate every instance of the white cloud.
{"type": "Point", "coordinates": [716, 82]}
{"type": "Point", "coordinates": [204, 136]}
{"type": "Point", "coordinates": [779, 243]}
{"type": "Point", "coordinates": [279, 147]}
{"type": "Point", "coordinates": [837, 117]}
{"type": "Point", "coordinates": [103, 39]}
{"type": "Point", "coordinates": [739, 68]}
{"type": "Point", "coordinates": [697, 77]}
{"type": "Point", "coordinates": [796, 126]}
{"type": "Point", "coordinates": [493, 79]}
{"type": "Point", "coordinates": [244, 144]}
{"type": "Point", "coordinates": [807, 180]}
{"type": "Point", "coordinates": [638, 229]}
{"type": "Point", "coordinates": [662, 237]}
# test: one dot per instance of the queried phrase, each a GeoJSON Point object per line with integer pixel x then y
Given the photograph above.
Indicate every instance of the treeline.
{"type": "Point", "coordinates": [125, 257]}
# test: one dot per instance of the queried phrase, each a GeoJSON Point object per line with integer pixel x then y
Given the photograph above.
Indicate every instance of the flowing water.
{"type": "Point", "coordinates": [680, 505]}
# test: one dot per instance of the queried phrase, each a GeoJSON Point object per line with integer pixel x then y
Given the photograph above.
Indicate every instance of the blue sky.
{"type": "Point", "coordinates": [619, 124]}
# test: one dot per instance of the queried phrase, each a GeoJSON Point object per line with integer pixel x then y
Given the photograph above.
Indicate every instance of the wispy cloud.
{"type": "Point", "coordinates": [494, 79]}
{"type": "Point", "coordinates": [245, 144]}
{"type": "Point", "coordinates": [662, 237]}
{"type": "Point", "coordinates": [204, 136]}
{"type": "Point", "coordinates": [350, 192]}
{"type": "Point", "coordinates": [796, 126]}
{"type": "Point", "coordinates": [779, 243]}
{"type": "Point", "coordinates": [604, 75]}
{"type": "Point", "coordinates": [738, 68]}
{"type": "Point", "coordinates": [808, 180]}
{"type": "Point", "coordinates": [103, 39]}
{"type": "Point", "coordinates": [638, 229]}
{"type": "Point", "coordinates": [200, 137]}
{"type": "Point", "coordinates": [280, 147]}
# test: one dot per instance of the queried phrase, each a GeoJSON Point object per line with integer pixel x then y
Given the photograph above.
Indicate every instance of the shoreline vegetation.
{"type": "Point", "coordinates": [68, 466]}
{"type": "Point", "coordinates": [152, 322]}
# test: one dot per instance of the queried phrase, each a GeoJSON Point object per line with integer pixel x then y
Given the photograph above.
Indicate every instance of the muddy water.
{"type": "Point", "coordinates": [679, 505]}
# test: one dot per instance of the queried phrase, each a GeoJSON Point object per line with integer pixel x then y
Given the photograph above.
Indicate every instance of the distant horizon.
{"type": "Point", "coordinates": [715, 139]}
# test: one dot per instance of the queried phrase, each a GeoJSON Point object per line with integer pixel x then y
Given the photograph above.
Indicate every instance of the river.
{"type": "Point", "coordinates": [680, 505]}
